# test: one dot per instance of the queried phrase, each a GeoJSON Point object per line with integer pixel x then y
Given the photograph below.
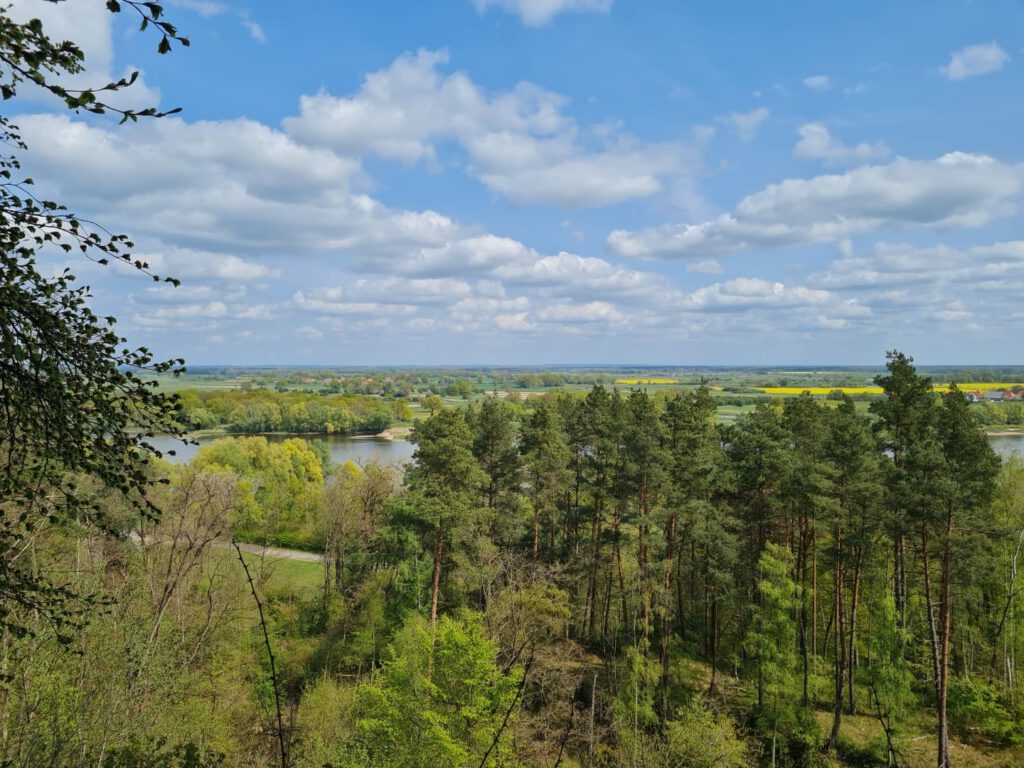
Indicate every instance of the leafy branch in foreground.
{"type": "Point", "coordinates": [75, 411]}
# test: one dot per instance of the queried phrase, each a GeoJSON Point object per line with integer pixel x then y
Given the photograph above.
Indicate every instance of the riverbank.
{"type": "Point", "coordinates": [392, 433]}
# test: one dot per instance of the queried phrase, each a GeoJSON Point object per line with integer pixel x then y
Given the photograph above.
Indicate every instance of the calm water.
{"type": "Point", "coordinates": [361, 450]}
{"type": "Point", "coordinates": [1008, 445]}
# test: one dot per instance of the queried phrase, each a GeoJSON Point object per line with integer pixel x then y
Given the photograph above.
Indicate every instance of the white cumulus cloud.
{"type": "Point", "coordinates": [955, 190]}
{"type": "Point", "coordinates": [519, 142]}
{"type": "Point", "coordinates": [817, 143]}
{"type": "Point", "coordinates": [975, 60]}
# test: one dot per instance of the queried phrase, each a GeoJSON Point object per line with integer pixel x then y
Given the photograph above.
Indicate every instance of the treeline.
{"type": "Point", "coordinates": [1012, 373]}
{"type": "Point", "coordinates": [810, 557]}
{"type": "Point", "coordinates": [264, 411]}
{"type": "Point", "coordinates": [589, 580]}
{"type": "Point", "coordinates": [998, 414]}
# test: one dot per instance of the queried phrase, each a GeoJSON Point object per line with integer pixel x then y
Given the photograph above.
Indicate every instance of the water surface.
{"type": "Point", "coordinates": [361, 450]}
{"type": "Point", "coordinates": [1008, 445]}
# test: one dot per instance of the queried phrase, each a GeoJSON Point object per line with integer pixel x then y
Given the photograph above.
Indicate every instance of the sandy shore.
{"type": "Point", "coordinates": [394, 433]}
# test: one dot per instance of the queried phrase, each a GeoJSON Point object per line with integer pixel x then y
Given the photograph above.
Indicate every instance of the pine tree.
{"type": "Point", "coordinates": [445, 478]}
{"type": "Point", "coordinates": [546, 461]}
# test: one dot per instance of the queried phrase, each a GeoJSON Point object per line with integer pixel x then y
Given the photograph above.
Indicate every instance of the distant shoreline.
{"type": "Point", "coordinates": [392, 433]}
{"type": "Point", "coordinates": [1005, 432]}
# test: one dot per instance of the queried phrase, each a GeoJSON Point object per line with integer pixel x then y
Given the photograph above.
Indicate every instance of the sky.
{"type": "Point", "coordinates": [510, 182]}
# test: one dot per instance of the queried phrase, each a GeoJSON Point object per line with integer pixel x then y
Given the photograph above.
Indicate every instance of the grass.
{"type": "Point", "coordinates": [169, 383]}
{"type": "Point", "coordinates": [860, 735]}
{"type": "Point", "coordinates": [862, 732]}
{"type": "Point", "coordinates": [296, 575]}
{"type": "Point", "coordinates": [280, 575]}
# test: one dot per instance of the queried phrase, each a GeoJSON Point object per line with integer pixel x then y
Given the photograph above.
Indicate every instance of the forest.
{"type": "Point", "coordinates": [266, 411]}
{"type": "Point", "coordinates": [585, 579]}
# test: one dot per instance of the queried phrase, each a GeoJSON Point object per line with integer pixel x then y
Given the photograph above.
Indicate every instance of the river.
{"type": "Point", "coordinates": [1008, 445]}
{"type": "Point", "coordinates": [361, 450]}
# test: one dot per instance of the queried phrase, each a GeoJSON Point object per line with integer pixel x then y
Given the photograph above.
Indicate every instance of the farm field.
{"type": "Point", "coordinates": [967, 386]}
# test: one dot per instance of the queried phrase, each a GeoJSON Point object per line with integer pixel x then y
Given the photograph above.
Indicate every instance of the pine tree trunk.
{"type": "Point", "coordinates": [643, 560]}
{"type": "Point", "coordinates": [666, 613]}
{"type": "Point", "coordinates": [714, 644]}
{"type": "Point", "coordinates": [851, 656]}
{"type": "Point", "coordinates": [622, 573]}
{"type": "Point", "coordinates": [438, 550]}
{"type": "Point", "coordinates": [933, 637]}
{"type": "Point", "coordinates": [801, 565]}
{"type": "Point", "coordinates": [595, 537]}
{"type": "Point", "coordinates": [840, 654]}
{"type": "Point", "coordinates": [900, 581]}
{"type": "Point", "coordinates": [814, 591]}
{"type": "Point", "coordinates": [945, 606]}
{"type": "Point", "coordinates": [536, 534]}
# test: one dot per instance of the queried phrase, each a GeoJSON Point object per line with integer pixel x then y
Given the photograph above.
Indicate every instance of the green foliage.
{"type": "Point", "coordinates": [889, 676]}
{"type": "Point", "coordinates": [445, 468]}
{"type": "Point", "coordinates": [697, 738]}
{"type": "Point", "coordinates": [440, 699]}
{"type": "Point", "coordinates": [325, 722]}
{"type": "Point", "coordinates": [264, 411]}
{"type": "Point", "coordinates": [642, 573]}
{"type": "Point", "coordinates": [700, 738]}
{"type": "Point", "coordinates": [771, 642]}
{"type": "Point", "coordinates": [976, 707]}
{"type": "Point", "coordinates": [495, 446]}
{"type": "Point", "coordinates": [75, 410]}
{"type": "Point", "coordinates": [280, 482]}
{"type": "Point", "coordinates": [156, 754]}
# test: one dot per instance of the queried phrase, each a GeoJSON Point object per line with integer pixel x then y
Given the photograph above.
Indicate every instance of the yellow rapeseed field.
{"type": "Point", "coordinates": [967, 386]}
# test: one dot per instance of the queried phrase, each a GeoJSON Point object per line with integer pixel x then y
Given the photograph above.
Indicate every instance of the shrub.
{"type": "Point", "coordinates": [975, 707]}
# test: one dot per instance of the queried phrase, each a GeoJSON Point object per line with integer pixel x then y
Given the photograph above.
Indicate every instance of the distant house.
{"type": "Point", "coordinates": [974, 397]}
{"type": "Point", "coordinates": [1012, 394]}
{"type": "Point", "coordinates": [995, 396]}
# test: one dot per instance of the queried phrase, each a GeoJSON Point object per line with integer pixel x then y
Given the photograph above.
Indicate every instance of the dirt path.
{"type": "Point", "coordinates": [273, 552]}
{"type": "Point", "coordinates": [277, 553]}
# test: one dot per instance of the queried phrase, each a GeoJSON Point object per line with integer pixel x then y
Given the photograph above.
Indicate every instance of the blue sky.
{"type": "Point", "coordinates": [557, 181]}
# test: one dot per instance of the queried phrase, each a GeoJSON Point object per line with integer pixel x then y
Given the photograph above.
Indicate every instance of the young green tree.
{"type": "Point", "coordinates": [441, 699]}
{"type": "Point", "coordinates": [889, 679]}
{"type": "Point", "coordinates": [350, 511]}
{"type": "Point", "coordinates": [771, 641]}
